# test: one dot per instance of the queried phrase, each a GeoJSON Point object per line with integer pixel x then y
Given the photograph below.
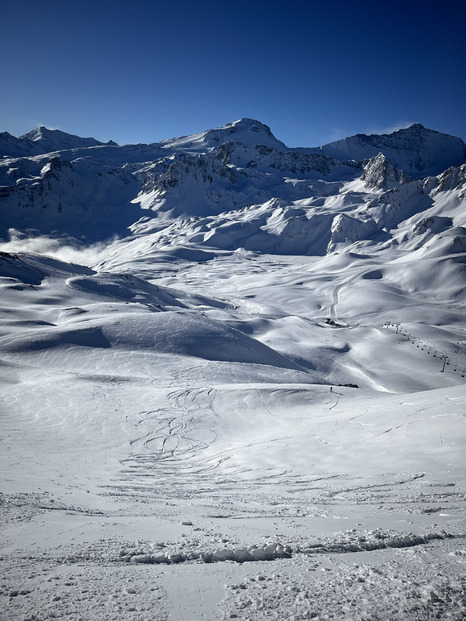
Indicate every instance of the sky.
{"type": "Point", "coordinates": [147, 70]}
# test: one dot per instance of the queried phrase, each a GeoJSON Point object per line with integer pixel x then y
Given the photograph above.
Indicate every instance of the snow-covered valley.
{"type": "Point", "coordinates": [237, 388]}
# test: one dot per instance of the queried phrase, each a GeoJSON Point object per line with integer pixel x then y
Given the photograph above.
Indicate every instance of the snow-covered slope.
{"type": "Point", "coordinates": [236, 387]}
{"type": "Point", "coordinates": [43, 140]}
{"type": "Point", "coordinates": [48, 140]}
{"type": "Point", "coordinates": [416, 150]}
{"type": "Point", "coordinates": [97, 192]}
{"type": "Point", "coordinates": [245, 131]}
{"type": "Point", "coordinates": [78, 198]}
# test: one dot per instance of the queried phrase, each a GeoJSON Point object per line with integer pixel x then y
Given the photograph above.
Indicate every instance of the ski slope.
{"type": "Point", "coordinates": [233, 377]}
{"type": "Point", "coordinates": [173, 456]}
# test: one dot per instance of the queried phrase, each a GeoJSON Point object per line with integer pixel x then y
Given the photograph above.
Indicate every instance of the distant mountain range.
{"type": "Point", "coordinates": [417, 150]}
{"type": "Point", "coordinates": [42, 140]}
{"type": "Point", "coordinates": [238, 186]}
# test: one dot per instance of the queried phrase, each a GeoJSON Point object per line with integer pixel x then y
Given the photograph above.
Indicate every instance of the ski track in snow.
{"type": "Point", "coordinates": [219, 538]}
{"type": "Point", "coordinates": [170, 443]}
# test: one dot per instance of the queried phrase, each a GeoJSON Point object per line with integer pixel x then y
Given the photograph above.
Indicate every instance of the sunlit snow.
{"type": "Point", "coordinates": [237, 388]}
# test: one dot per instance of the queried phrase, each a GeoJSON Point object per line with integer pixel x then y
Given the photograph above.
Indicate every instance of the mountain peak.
{"type": "Point", "coordinates": [416, 150]}
{"type": "Point", "coordinates": [246, 131]}
{"type": "Point", "coordinates": [380, 174]}
{"type": "Point", "coordinates": [247, 124]}
{"type": "Point", "coordinates": [416, 127]}
{"type": "Point", "coordinates": [41, 133]}
{"type": "Point", "coordinates": [55, 140]}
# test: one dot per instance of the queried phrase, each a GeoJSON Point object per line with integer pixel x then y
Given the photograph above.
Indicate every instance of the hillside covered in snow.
{"type": "Point", "coordinates": [233, 377]}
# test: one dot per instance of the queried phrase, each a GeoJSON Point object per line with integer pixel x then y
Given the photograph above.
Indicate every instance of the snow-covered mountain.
{"type": "Point", "coordinates": [245, 131]}
{"type": "Point", "coordinates": [43, 140]}
{"type": "Point", "coordinates": [92, 191]}
{"type": "Point", "coordinates": [238, 192]}
{"type": "Point", "coordinates": [416, 150]}
{"type": "Point", "coordinates": [233, 377]}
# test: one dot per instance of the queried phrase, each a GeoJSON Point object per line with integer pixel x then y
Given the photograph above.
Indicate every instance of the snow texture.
{"type": "Point", "coordinates": [233, 378]}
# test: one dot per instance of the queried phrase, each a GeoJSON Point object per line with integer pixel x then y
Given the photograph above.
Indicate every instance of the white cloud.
{"type": "Point", "coordinates": [65, 248]}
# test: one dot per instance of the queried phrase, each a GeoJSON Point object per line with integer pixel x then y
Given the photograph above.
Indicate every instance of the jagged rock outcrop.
{"type": "Point", "coordinates": [236, 186]}
{"type": "Point", "coordinates": [380, 174]}
{"type": "Point", "coordinates": [416, 150]}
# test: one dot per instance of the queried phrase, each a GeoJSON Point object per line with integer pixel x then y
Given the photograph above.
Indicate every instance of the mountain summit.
{"type": "Point", "coordinates": [43, 140]}
{"type": "Point", "coordinates": [236, 186]}
{"type": "Point", "coordinates": [55, 140]}
{"type": "Point", "coordinates": [246, 131]}
{"type": "Point", "coordinates": [416, 150]}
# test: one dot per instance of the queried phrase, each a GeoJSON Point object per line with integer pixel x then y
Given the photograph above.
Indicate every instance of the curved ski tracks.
{"type": "Point", "coordinates": [170, 441]}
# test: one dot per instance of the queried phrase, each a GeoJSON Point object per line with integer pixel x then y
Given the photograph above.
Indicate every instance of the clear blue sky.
{"type": "Point", "coordinates": [142, 71]}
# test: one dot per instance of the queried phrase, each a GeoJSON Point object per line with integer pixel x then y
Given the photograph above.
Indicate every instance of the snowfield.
{"type": "Point", "coordinates": [246, 413]}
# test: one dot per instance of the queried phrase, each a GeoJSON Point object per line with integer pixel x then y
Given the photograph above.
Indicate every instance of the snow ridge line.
{"type": "Point", "coordinates": [366, 543]}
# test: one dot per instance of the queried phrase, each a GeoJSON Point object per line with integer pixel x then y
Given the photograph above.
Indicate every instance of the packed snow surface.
{"type": "Point", "coordinates": [237, 389]}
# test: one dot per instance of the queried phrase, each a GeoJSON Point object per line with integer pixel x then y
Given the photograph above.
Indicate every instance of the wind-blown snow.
{"type": "Point", "coordinates": [250, 401]}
